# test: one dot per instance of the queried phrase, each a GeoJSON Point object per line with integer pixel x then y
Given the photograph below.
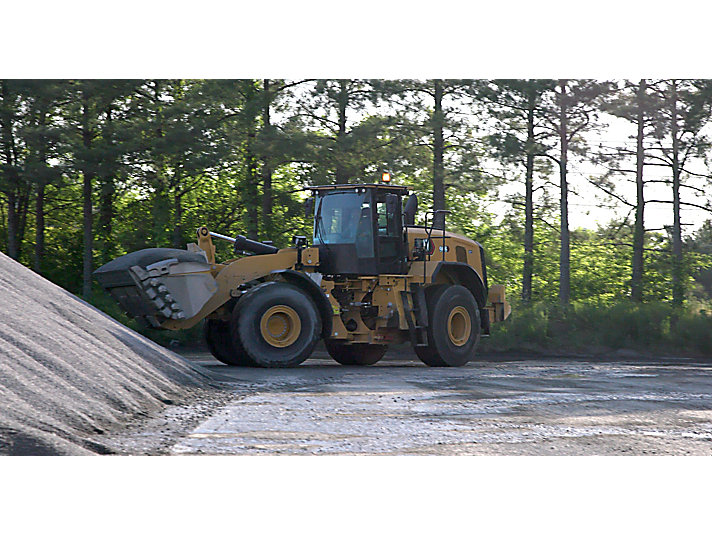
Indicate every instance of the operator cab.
{"type": "Point", "coordinates": [359, 229]}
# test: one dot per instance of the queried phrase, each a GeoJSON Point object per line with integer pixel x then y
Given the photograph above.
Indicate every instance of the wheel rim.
{"type": "Point", "coordinates": [280, 326]}
{"type": "Point", "coordinates": [459, 326]}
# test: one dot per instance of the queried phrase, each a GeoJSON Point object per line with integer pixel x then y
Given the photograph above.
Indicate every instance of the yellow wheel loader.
{"type": "Point", "coordinates": [371, 277]}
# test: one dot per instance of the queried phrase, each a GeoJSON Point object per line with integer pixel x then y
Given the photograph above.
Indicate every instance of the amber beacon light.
{"type": "Point", "coordinates": [386, 177]}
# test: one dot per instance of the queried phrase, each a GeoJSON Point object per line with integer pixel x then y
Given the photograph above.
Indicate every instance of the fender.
{"type": "Point", "coordinates": [304, 282]}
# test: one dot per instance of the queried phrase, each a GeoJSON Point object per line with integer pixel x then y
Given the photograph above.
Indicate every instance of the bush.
{"type": "Point", "coordinates": [655, 327]}
{"type": "Point", "coordinates": [692, 331]}
{"type": "Point", "coordinates": [527, 329]}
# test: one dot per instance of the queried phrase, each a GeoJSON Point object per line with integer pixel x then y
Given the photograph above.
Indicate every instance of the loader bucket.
{"type": "Point", "coordinates": [157, 284]}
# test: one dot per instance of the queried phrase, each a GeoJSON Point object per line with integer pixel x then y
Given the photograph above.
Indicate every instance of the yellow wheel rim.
{"type": "Point", "coordinates": [280, 326]}
{"type": "Point", "coordinates": [459, 326]}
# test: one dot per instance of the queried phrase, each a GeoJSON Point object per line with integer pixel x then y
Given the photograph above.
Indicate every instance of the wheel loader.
{"type": "Point", "coordinates": [370, 278]}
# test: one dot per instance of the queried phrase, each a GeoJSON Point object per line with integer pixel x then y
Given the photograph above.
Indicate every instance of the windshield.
{"type": "Point", "coordinates": [344, 217]}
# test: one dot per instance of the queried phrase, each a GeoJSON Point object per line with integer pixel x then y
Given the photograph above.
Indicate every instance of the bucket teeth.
{"type": "Point", "coordinates": [157, 292]}
{"type": "Point", "coordinates": [139, 273]}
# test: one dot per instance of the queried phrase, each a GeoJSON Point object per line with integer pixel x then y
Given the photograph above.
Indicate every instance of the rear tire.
{"type": "Point", "coordinates": [277, 324]}
{"type": "Point", "coordinates": [356, 353]}
{"type": "Point", "coordinates": [453, 326]}
{"type": "Point", "coordinates": [219, 340]}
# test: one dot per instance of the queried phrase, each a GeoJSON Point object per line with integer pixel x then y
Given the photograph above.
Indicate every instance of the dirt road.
{"type": "Point", "coordinates": [543, 407]}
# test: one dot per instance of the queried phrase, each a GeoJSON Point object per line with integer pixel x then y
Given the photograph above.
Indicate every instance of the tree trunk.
{"type": "Point", "coordinates": [106, 206]}
{"type": "Point", "coordinates": [678, 290]}
{"type": "Point", "coordinates": [529, 205]}
{"type": "Point", "coordinates": [267, 229]}
{"type": "Point", "coordinates": [18, 202]}
{"type": "Point", "coordinates": [251, 192]}
{"type": "Point", "coordinates": [39, 228]}
{"type": "Point", "coordinates": [564, 257]}
{"type": "Point", "coordinates": [106, 216]}
{"type": "Point", "coordinates": [161, 209]}
{"type": "Point", "coordinates": [40, 197]}
{"type": "Point", "coordinates": [13, 249]}
{"type": "Point", "coordinates": [177, 220]}
{"type": "Point", "coordinates": [88, 179]}
{"type": "Point", "coordinates": [9, 174]}
{"type": "Point", "coordinates": [88, 237]}
{"type": "Point", "coordinates": [636, 282]}
{"type": "Point", "coordinates": [438, 149]}
{"type": "Point", "coordinates": [22, 211]}
{"type": "Point", "coordinates": [161, 213]}
{"type": "Point", "coordinates": [342, 175]}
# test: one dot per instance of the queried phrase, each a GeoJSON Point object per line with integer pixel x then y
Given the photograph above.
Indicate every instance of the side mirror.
{"type": "Point", "coordinates": [309, 207]}
{"type": "Point", "coordinates": [411, 208]}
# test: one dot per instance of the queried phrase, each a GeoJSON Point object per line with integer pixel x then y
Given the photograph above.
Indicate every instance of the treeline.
{"type": "Point", "coordinates": [91, 169]}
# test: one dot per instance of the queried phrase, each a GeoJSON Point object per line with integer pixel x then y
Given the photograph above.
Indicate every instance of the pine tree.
{"type": "Point", "coordinates": [344, 147]}
{"type": "Point", "coordinates": [13, 184]}
{"type": "Point", "coordinates": [43, 140]}
{"type": "Point", "coordinates": [434, 114]}
{"type": "Point", "coordinates": [685, 109]}
{"type": "Point", "coordinates": [518, 107]}
{"type": "Point", "coordinates": [572, 110]}
{"type": "Point", "coordinates": [634, 103]}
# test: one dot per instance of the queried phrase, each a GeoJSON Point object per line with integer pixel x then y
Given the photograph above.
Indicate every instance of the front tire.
{"type": "Point", "coordinates": [277, 325]}
{"type": "Point", "coordinates": [356, 353]}
{"type": "Point", "coordinates": [453, 327]}
{"type": "Point", "coordinates": [219, 341]}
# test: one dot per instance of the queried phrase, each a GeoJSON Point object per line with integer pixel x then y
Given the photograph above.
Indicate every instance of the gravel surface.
{"type": "Point", "coordinates": [551, 406]}
{"type": "Point", "coordinates": [69, 373]}
{"type": "Point", "coordinates": [74, 381]}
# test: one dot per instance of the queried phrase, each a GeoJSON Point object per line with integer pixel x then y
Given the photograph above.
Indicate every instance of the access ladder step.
{"type": "Point", "coordinates": [418, 331]}
{"type": "Point", "coordinates": [422, 339]}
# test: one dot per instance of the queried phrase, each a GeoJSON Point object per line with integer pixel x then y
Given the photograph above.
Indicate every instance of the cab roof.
{"type": "Point", "coordinates": [391, 188]}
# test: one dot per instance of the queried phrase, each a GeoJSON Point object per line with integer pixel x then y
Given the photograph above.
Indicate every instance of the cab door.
{"type": "Point", "coordinates": [389, 234]}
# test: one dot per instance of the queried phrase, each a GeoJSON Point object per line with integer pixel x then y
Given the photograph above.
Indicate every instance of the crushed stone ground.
{"type": "Point", "coordinates": [69, 373]}
{"type": "Point", "coordinates": [399, 407]}
{"type": "Point", "coordinates": [74, 381]}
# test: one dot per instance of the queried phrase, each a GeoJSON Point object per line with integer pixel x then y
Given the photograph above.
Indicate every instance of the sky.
{"type": "Point", "coordinates": [585, 200]}
{"type": "Point", "coordinates": [589, 207]}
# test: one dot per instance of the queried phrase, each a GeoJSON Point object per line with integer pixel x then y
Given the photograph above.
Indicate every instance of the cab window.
{"type": "Point", "coordinates": [386, 221]}
{"type": "Point", "coordinates": [345, 218]}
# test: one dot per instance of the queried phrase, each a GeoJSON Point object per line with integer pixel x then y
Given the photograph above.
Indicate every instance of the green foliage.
{"type": "Point", "coordinates": [165, 157]}
{"type": "Point", "coordinates": [589, 327]}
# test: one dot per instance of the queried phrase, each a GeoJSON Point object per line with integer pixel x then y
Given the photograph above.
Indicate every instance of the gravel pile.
{"type": "Point", "coordinates": [69, 372]}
